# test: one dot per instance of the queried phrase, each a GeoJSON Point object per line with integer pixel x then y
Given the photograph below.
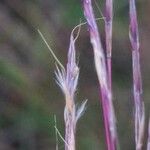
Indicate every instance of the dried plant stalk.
{"type": "Point", "coordinates": [101, 69]}
{"type": "Point", "coordinates": [137, 81]}
{"type": "Point", "coordinates": [108, 33]}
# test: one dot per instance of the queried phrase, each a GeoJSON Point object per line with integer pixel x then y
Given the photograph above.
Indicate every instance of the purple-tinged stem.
{"type": "Point", "coordinates": [108, 34]}
{"type": "Point", "coordinates": [137, 80]}
{"type": "Point", "coordinates": [101, 69]}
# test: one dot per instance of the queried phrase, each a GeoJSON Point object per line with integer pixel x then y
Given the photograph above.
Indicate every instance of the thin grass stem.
{"type": "Point", "coordinates": [102, 73]}
{"type": "Point", "coordinates": [108, 35]}
{"type": "Point", "coordinates": [139, 114]}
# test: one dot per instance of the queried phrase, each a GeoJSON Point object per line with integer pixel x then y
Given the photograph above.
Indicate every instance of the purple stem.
{"type": "Point", "coordinates": [101, 69]}
{"type": "Point", "coordinates": [108, 34]}
{"type": "Point", "coordinates": [137, 80]}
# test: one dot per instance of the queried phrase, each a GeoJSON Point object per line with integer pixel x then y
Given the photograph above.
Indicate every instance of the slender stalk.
{"type": "Point", "coordinates": [108, 34]}
{"type": "Point", "coordinates": [101, 69]}
{"type": "Point", "coordinates": [137, 81]}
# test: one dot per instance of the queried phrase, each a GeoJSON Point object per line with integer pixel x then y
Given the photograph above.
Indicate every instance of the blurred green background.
{"type": "Point", "coordinates": [29, 96]}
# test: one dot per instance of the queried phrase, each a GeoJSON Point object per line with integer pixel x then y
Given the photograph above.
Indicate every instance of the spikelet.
{"type": "Point", "coordinates": [67, 79]}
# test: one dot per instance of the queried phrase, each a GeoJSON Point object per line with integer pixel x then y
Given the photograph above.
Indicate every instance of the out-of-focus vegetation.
{"type": "Point", "coordinates": [29, 97]}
